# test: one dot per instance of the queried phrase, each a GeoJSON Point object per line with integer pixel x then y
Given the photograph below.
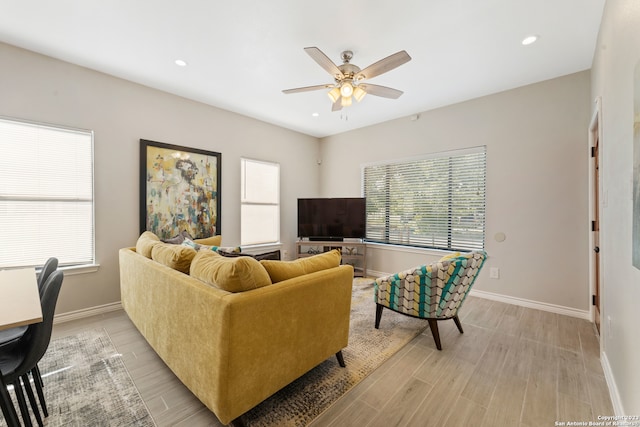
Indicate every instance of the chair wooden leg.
{"type": "Point", "coordinates": [37, 380]}
{"type": "Point", "coordinates": [32, 399]}
{"type": "Point", "coordinates": [22, 403]}
{"type": "Point", "coordinates": [433, 325]}
{"type": "Point", "coordinates": [458, 324]}
{"type": "Point", "coordinates": [340, 359]}
{"type": "Point", "coordinates": [379, 308]}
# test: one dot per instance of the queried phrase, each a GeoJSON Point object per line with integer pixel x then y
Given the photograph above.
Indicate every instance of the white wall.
{"type": "Point", "coordinates": [42, 89]}
{"type": "Point", "coordinates": [617, 53]}
{"type": "Point", "coordinates": [537, 183]}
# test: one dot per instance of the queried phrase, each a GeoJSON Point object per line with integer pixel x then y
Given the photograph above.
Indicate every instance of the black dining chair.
{"type": "Point", "coordinates": [9, 337]}
{"type": "Point", "coordinates": [22, 358]}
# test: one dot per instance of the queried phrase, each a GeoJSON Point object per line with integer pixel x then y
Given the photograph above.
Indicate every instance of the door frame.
{"type": "Point", "coordinates": [595, 134]}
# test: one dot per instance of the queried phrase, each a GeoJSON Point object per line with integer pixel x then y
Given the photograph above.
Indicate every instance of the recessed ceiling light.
{"type": "Point", "coordinates": [315, 114]}
{"type": "Point", "coordinates": [180, 63]}
{"type": "Point", "coordinates": [529, 40]}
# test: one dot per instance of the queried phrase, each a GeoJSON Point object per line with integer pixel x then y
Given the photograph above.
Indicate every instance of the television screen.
{"type": "Point", "coordinates": [332, 218]}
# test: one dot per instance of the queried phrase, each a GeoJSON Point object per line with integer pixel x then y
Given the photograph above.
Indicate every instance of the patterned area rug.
{"type": "Point", "coordinates": [307, 397]}
{"type": "Point", "coordinates": [86, 384]}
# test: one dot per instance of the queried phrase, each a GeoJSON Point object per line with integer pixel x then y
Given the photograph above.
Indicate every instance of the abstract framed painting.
{"type": "Point", "coordinates": [179, 190]}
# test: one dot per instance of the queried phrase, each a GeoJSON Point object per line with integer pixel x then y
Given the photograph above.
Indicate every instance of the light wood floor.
{"type": "Point", "coordinates": [513, 366]}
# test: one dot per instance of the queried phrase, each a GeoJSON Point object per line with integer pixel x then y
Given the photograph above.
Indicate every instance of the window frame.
{"type": "Point", "coordinates": [244, 202]}
{"type": "Point", "coordinates": [72, 267]}
{"type": "Point", "coordinates": [387, 235]}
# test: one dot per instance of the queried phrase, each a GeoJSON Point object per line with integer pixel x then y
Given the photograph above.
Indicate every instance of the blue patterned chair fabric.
{"type": "Point", "coordinates": [433, 292]}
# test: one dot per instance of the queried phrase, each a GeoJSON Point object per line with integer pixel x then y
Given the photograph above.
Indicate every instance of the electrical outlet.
{"type": "Point", "coordinates": [285, 254]}
{"type": "Point", "coordinates": [494, 273]}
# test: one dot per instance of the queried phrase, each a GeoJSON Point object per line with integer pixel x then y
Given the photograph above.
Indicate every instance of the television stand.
{"type": "Point", "coordinates": [353, 252]}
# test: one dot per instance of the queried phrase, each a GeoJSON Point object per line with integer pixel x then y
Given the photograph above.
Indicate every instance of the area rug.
{"type": "Point", "coordinates": [307, 397]}
{"type": "Point", "coordinates": [87, 384]}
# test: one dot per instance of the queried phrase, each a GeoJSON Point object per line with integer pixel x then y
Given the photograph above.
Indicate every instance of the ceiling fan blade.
{"type": "Point", "coordinates": [384, 65]}
{"type": "Point", "coordinates": [307, 88]}
{"type": "Point", "coordinates": [337, 106]}
{"type": "Point", "coordinates": [324, 61]}
{"type": "Point", "coordinates": [383, 91]}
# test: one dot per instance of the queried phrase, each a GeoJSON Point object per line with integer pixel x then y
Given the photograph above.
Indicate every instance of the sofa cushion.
{"type": "Point", "coordinates": [283, 270]}
{"type": "Point", "coordinates": [146, 242]}
{"type": "Point", "coordinates": [230, 274]}
{"type": "Point", "coordinates": [209, 241]}
{"type": "Point", "coordinates": [177, 257]}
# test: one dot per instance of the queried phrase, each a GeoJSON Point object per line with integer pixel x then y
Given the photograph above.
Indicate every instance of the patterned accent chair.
{"type": "Point", "coordinates": [433, 292]}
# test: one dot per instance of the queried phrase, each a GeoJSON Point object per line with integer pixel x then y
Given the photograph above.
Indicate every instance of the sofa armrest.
{"type": "Point", "coordinates": [283, 330]}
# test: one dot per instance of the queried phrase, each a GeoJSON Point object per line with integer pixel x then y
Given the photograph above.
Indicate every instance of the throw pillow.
{"type": "Point", "coordinates": [230, 274]}
{"type": "Point", "coordinates": [283, 270]}
{"type": "Point", "coordinates": [177, 257]}
{"type": "Point", "coordinates": [175, 240]}
{"type": "Point", "coordinates": [146, 242]}
{"type": "Point", "coordinates": [190, 243]}
{"type": "Point", "coordinates": [227, 249]}
{"type": "Point", "coordinates": [274, 255]}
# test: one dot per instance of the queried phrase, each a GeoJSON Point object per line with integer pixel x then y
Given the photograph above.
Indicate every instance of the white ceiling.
{"type": "Point", "coordinates": [241, 54]}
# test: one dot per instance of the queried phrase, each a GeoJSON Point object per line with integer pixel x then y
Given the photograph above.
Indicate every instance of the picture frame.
{"type": "Point", "coordinates": [179, 190]}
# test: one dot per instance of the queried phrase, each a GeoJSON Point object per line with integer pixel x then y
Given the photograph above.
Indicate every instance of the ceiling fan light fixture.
{"type": "Point", "coordinates": [348, 78]}
{"type": "Point", "coordinates": [334, 94]}
{"type": "Point", "coordinates": [358, 93]}
{"type": "Point", "coordinates": [346, 90]}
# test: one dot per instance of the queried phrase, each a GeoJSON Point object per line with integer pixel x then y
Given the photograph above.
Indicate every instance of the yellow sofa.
{"type": "Point", "coordinates": [233, 350]}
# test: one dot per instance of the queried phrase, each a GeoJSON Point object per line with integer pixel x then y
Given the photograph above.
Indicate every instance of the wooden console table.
{"type": "Point", "coordinates": [353, 253]}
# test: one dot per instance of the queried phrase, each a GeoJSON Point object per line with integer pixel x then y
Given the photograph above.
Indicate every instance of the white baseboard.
{"type": "Point", "coordinates": [87, 312]}
{"type": "Point", "coordinates": [611, 384]}
{"type": "Point", "coordinates": [552, 308]}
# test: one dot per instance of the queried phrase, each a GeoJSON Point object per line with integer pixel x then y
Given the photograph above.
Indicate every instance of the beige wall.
{"type": "Point", "coordinates": [617, 53]}
{"type": "Point", "coordinates": [537, 183]}
{"type": "Point", "coordinates": [39, 88]}
{"type": "Point", "coordinates": [536, 157]}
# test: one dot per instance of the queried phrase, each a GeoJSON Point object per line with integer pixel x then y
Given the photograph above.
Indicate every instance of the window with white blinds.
{"type": "Point", "coordinates": [436, 201]}
{"type": "Point", "coordinates": [260, 202]}
{"type": "Point", "coordinates": [46, 195]}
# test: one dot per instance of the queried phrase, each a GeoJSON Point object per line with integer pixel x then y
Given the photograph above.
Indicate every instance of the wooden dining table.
{"type": "Point", "coordinates": [20, 298]}
{"type": "Point", "coordinates": [19, 306]}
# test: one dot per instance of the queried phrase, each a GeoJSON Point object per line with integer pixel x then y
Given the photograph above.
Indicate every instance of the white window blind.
{"type": "Point", "coordinates": [260, 202]}
{"type": "Point", "coordinates": [432, 202]}
{"type": "Point", "coordinates": [46, 195]}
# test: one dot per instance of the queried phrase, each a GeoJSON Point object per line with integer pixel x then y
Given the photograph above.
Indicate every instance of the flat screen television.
{"type": "Point", "coordinates": [332, 219]}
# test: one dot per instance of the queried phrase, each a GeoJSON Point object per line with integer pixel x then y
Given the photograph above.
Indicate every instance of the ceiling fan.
{"type": "Point", "coordinates": [349, 79]}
